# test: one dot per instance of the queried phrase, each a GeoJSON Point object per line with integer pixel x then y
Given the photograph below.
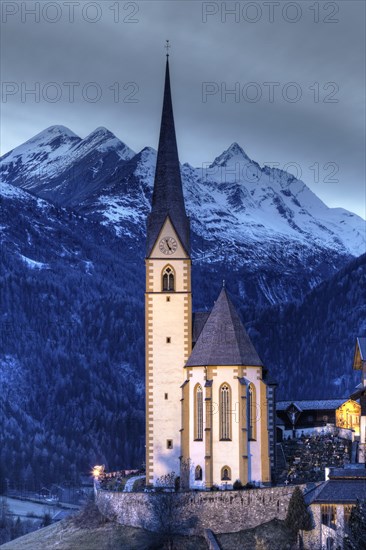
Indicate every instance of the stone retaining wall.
{"type": "Point", "coordinates": [192, 512]}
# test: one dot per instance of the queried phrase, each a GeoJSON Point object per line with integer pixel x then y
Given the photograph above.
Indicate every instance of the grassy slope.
{"type": "Point", "coordinates": [273, 534]}
{"type": "Point", "coordinates": [67, 536]}
{"type": "Point", "coordinates": [89, 530]}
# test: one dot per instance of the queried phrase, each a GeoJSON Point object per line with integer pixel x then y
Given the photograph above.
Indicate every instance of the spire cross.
{"type": "Point", "coordinates": [167, 47]}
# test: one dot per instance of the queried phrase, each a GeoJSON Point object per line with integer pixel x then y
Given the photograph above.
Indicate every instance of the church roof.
{"type": "Point", "coordinates": [311, 405]}
{"type": "Point", "coordinates": [199, 319]}
{"type": "Point", "coordinates": [223, 339]}
{"type": "Point", "coordinates": [167, 197]}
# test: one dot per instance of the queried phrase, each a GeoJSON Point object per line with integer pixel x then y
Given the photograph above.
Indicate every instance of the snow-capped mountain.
{"type": "Point", "coordinates": [61, 167]}
{"type": "Point", "coordinates": [258, 220]}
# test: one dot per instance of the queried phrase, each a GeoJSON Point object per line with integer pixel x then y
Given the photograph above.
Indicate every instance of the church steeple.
{"type": "Point", "coordinates": [168, 197]}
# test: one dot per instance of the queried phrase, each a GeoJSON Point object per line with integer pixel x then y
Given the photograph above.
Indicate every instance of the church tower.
{"type": "Point", "coordinates": [168, 304]}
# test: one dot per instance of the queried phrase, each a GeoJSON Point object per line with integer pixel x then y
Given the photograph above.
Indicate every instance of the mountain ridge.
{"type": "Point", "coordinates": [261, 222]}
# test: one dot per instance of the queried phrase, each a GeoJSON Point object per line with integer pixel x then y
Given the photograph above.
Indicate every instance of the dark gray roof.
{"type": "Point", "coordinates": [167, 197]}
{"type": "Point", "coordinates": [199, 319]}
{"type": "Point", "coordinates": [342, 491]}
{"type": "Point", "coordinates": [348, 473]}
{"type": "Point", "coordinates": [361, 341]}
{"type": "Point", "coordinates": [305, 405]}
{"type": "Point", "coordinates": [223, 340]}
{"type": "Point", "coordinates": [357, 394]}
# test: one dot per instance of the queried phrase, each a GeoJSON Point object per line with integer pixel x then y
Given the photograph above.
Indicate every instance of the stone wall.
{"type": "Point", "coordinates": [192, 512]}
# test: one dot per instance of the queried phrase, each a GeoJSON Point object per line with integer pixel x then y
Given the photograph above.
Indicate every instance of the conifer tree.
{"type": "Point", "coordinates": [298, 516]}
{"type": "Point", "coordinates": [356, 539]}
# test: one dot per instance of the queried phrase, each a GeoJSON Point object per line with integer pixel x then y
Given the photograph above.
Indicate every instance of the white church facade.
{"type": "Point", "coordinates": [209, 408]}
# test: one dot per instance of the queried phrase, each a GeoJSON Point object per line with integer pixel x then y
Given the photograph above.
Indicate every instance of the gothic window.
{"type": "Point", "coordinates": [225, 408]}
{"type": "Point", "coordinates": [226, 473]}
{"type": "Point", "coordinates": [168, 279]}
{"type": "Point", "coordinates": [198, 413]}
{"type": "Point", "coordinates": [252, 412]}
{"type": "Point", "coordinates": [198, 473]}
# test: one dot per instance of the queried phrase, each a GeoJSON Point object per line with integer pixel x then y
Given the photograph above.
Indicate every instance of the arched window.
{"type": "Point", "coordinates": [198, 473]}
{"type": "Point", "coordinates": [225, 473]}
{"type": "Point", "coordinates": [198, 412]}
{"type": "Point", "coordinates": [225, 408]}
{"type": "Point", "coordinates": [168, 279]}
{"type": "Point", "coordinates": [252, 412]}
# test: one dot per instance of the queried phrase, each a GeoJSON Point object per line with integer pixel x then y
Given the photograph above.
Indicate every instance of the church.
{"type": "Point", "coordinates": [209, 409]}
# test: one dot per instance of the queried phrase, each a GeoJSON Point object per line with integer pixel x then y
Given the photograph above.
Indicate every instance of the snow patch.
{"type": "Point", "coordinates": [33, 264]}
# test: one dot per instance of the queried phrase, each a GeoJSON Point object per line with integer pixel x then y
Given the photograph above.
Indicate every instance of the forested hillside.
{"type": "Point", "coordinates": [71, 345]}
{"type": "Point", "coordinates": [72, 338]}
{"type": "Point", "coordinates": [309, 347]}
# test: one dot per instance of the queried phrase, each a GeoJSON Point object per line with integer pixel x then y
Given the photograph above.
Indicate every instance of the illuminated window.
{"type": "Point", "coordinates": [198, 473]}
{"type": "Point", "coordinates": [198, 413]}
{"type": "Point", "coordinates": [252, 412]}
{"type": "Point", "coordinates": [225, 398]}
{"type": "Point", "coordinates": [168, 279]}
{"type": "Point", "coordinates": [225, 473]}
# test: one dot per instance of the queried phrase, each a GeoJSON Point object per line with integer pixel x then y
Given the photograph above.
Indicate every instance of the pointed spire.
{"type": "Point", "coordinates": [167, 47]}
{"type": "Point", "coordinates": [223, 339]}
{"type": "Point", "coordinates": [168, 197]}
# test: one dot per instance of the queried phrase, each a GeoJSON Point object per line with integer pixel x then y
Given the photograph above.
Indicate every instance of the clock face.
{"type": "Point", "coordinates": [168, 245]}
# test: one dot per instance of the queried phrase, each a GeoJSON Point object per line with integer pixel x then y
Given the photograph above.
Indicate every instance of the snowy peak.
{"type": "Point", "coordinates": [232, 155]}
{"type": "Point", "coordinates": [58, 165]}
{"type": "Point", "coordinates": [232, 199]}
{"type": "Point", "coordinates": [58, 130]}
{"type": "Point", "coordinates": [105, 141]}
{"type": "Point", "coordinates": [51, 140]}
{"type": "Point", "coordinates": [49, 135]}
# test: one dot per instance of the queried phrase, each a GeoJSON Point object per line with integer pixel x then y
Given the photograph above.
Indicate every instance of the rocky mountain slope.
{"type": "Point", "coordinates": [260, 221]}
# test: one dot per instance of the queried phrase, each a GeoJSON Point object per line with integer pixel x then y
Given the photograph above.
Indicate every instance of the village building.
{"type": "Point", "coordinates": [209, 405]}
{"type": "Point", "coordinates": [359, 364]}
{"type": "Point", "coordinates": [295, 418]}
{"type": "Point", "coordinates": [331, 504]}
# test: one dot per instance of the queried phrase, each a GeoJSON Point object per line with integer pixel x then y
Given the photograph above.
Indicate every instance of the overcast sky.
{"type": "Point", "coordinates": [297, 69]}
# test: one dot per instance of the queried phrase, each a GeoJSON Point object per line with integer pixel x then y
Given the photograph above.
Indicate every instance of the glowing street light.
{"type": "Point", "coordinates": [97, 471]}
